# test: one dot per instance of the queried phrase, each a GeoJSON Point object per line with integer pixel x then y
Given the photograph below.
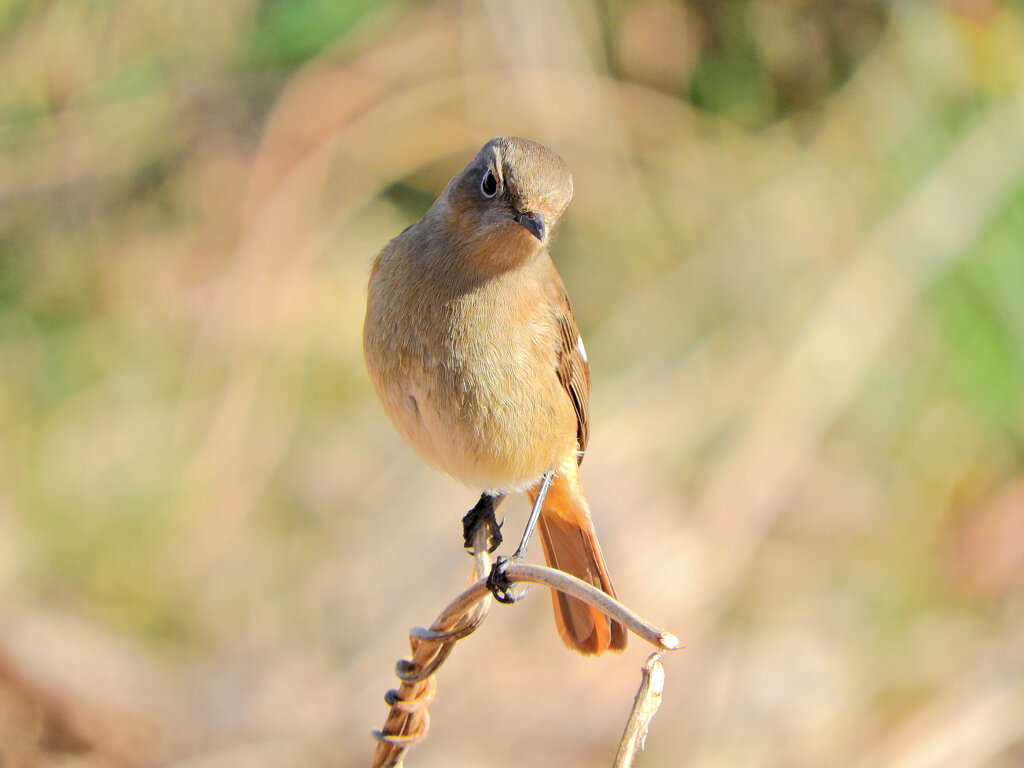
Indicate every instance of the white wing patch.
{"type": "Point", "coordinates": [581, 349]}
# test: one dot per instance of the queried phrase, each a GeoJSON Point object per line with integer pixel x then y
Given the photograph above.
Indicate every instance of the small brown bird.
{"type": "Point", "coordinates": [473, 350]}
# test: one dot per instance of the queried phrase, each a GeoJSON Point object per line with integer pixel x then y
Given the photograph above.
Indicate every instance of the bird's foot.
{"type": "Point", "coordinates": [499, 584]}
{"type": "Point", "coordinates": [482, 515]}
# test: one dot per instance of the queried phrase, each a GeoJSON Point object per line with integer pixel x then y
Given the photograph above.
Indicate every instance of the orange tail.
{"type": "Point", "coordinates": [570, 544]}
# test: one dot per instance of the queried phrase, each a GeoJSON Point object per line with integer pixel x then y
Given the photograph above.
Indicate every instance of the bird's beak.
{"type": "Point", "coordinates": [535, 223]}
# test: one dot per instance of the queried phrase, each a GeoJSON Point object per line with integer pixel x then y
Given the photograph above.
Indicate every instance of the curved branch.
{"type": "Point", "coordinates": [408, 720]}
{"type": "Point", "coordinates": [570, 585]}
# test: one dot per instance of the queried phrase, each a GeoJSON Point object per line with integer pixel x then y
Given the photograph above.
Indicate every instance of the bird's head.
{"type": "Point", "coordinates": [505, 204]}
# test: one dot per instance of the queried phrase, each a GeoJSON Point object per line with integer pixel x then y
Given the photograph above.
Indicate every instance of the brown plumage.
{"type": "Point", "coordinates": [472, 348]}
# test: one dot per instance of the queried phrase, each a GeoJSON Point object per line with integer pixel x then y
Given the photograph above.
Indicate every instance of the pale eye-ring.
{"type": "Point", "coordinates": [489, 184]}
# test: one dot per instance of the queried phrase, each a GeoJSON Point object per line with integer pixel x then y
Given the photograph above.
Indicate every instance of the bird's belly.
{"type": "Point", "coordinates": [495, 431]}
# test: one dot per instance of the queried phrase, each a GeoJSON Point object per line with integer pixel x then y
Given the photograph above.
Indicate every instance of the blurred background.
{"type": "Point", "coordinates": [795, 254]}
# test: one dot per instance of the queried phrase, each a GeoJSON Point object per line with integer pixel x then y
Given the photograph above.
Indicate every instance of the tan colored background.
{"type": "Point", "coordinates": [795, 254]}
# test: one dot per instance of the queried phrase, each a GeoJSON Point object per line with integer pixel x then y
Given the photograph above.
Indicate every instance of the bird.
{"type": "Point", "coordinates": [472, 348]}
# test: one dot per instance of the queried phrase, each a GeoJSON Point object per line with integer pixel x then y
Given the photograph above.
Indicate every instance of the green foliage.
{"type": "Point", "coordinates": [732, 83]}
{"type": "Point", "coordinates": [979, 306]}
{"type": "Point", "coordinates": [730, 78]}
{"type": "Point", "coordinates": [763, 61]}
{"type": "Point", "coordinates": [909, 160]}
{"type": "Point", "coordinates": [290, 32]}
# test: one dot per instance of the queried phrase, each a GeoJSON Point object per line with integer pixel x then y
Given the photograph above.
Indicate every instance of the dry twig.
{"type": "Point", "coordinates": [408, 721]}
{"type": "Point", "coordinates": [645, 706]}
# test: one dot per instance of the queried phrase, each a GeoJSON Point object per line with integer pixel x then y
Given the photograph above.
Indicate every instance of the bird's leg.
{"type": "Point", "coordinates": [483, 514]}
{"type": "Point", "coordinates": [496, 580]}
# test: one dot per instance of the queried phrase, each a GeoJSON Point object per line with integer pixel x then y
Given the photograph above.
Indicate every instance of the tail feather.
{"type": "Point", "coordinates": [570, 544]}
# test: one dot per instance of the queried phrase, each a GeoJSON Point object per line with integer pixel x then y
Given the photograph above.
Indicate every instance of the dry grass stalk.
{"type": "Point", "coordinates": [645, 707]}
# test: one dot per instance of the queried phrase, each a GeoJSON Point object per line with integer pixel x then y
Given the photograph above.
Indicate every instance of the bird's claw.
{"type": "Point", "coordinates": [482, 515]}
{"type": "Point", "coordinates": [499, 584]}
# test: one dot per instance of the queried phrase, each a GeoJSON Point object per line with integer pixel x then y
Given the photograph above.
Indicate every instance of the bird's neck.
{"type": "Point", "coordinates": [466, 256]}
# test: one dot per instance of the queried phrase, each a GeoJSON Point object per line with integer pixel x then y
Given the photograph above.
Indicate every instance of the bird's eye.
{"type": "Point", "coordinates": [489, 184]}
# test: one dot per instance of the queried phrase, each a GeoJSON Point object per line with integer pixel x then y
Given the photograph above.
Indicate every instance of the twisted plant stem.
{"type": "Point", "coordinates": [408, 720]}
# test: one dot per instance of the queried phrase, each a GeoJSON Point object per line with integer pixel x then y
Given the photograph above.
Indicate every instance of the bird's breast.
{"type": "Point", "coordinates": [471, 384]}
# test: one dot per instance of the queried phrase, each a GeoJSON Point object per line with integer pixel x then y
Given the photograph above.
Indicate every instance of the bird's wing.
{"type": "Point", "coordinates": [572, 367]}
